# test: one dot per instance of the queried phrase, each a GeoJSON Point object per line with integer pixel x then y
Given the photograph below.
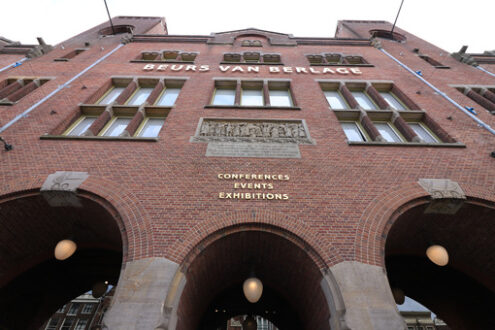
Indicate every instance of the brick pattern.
{"type": "Point", "coordinates": [405, 129]}
{"type": "Point", "coordinates": [485, 103]}
{"type": "Point", "coordinates": [6, 90]}
{"type": "Point", "coordinates": [26, 89]}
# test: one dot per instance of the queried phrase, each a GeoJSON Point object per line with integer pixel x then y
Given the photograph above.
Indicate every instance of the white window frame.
{"type": "Point", "coordinates": [340, 97]}
{"type": "Point", "coordinates": [392, 105]}
{"type": "Point", "coordinates": [77, 123]}
{"type": "Point", "coordinates": [143, 124]}
{"type": "Point", "coordinates": [367, 97]}
{"type": "Point", "coordinates": [110, 123]}
{"type": "Point", "coordinates": [425, 130]}
{"type": "Point", "coordinates": [136, 96]}
{"type": "Point", "coordinates": [163, 94]}
{"type": "Point", "coordinates": [360, 130]}
{"type": "Point", "coordinates": [394, 130]}
{"type": "Point", "coordinates": [262, 97]}
{"type": "Point", "coordinates": [110, 90]}
{"type": "Point", "coordinates": [233, 90]}
{"type": "Point", "coordinates": [287, 97]}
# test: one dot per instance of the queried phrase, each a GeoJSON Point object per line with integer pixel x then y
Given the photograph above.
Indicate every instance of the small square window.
{"type": "Point", "coordinates": [168, 97]}
{"type": "Point", "coordinates": [81, 324]}
{"type": "Point", "coordinates": [353, 132]}
{"type": "Point", "coordinates": [140, 96]}
{"type": "Point", "coordinates": [388, 133]}
{"type": "Point", "coordinates": [252, 97]}
{"type": "Point", "coordinates": [87, 309]}
{"type": "Point", "coordinates": [79, 128]}
{"type": "Point", "coordinates": [74, 308]}
{"type": "Point", "coordinates": [68, 322]}
{"type": "Point", "coordinates": [392, 101]}
{"type": "Point", "coordinates": [224, 97]}
{"type": "Point", "coordinates": [111, 95]}
{"type": "Point", "coordinates": [424, 133]}
{"type": "Point", "coordinates": [335, 100]}
{"type": "Point", "coordinates": [280, 98]}
{"type": "Point", "coordinates": [116, 126]}
{"type": "Point", "coordinates": [52, 323]}
{"type": "Point", "coordinates": [364, 100]}
{"type": "Point", "coordinates": [151, 127]}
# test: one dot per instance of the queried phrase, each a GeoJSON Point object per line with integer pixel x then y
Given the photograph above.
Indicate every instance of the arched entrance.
{"type": "Point", "coordinates": [293, 283]}
{"type": "Point", "coordinates": [461, 293]}
{"type": "Point", "coordinates": [33, 284]}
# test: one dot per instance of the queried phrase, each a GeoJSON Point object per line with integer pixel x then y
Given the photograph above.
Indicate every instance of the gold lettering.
{"type": "Point", "coordinates": [220, 176]}
{"type": "Point", "coordinates": [257, 186]}
{"type": "Point", "coordinates": [250, 185]}
{"type": "Point", "coordinates": [356, 71]}
{"type": "Point", "coordinates": [274, 69]}
{"type": "Point", "coordinates": [286, 196]}
{"type": "Point", "coordinates": [299, 70]}
{"type": "Point", "coordinates": [236, 195]}
{"type": "Point", "coordinates": [270, 186]}
{"type": "Point", "coordinates": [286, 177]}
{"type": "Point", "coordinates": [228, 195]}
{"type": "Point", "coordinates": [226, 176]}
{"type": "Point", "coordinates": [236, 185]}
{"type": "Point", "coordinates": [342, 70]}
{"type": "Point", "coordinates": [234, 176]}
{"type": "Point", "coordinates": [270, 196]}
{"type": "Point", "coordinates": [190, 67]}
{"type": "Point", "coordinates": [328, 70]}
{"type": "Point", "coordinates": [221, 195]}
{"type": "Point", "coordinates": [278, 196]}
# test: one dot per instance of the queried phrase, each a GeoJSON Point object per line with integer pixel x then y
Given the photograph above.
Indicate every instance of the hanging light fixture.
{"type": "Point", "coordinates": [99, 289]}
{"type": "Point", "coordinates": [64, 249]}
{"type": "Point", "coordinates": [253, 288]}
{"type": "Point", "coordinates": [438, 255]}
{"type": "Point", "coordinates": [399, 295]}
{"type": "Point", "coordinates": [249, 323]}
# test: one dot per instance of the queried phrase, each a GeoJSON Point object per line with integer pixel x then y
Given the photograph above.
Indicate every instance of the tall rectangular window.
{"type": "Point", "coordinates": [52, 324]}
{"type": "Point", "coordinates": [252, 97]}
{"type": "Point", "coordinates": [68, 322]}
{"type": "Point", "coordinates": [140, 96]}
{"type": "Point", "coordinates": [423, 133]}
{"type": "Point", "coordinates": [88, 308]}
{"type": "Point", "coordinates": [80, 127]}
{"type": "Point", "coordinates": [353, 132]}
{"type": "Point", "coordinates": [111, 95]}
{"type": "Point", "coordinates": [224, 97]}
{"type": "Point", "coordinates": [151, 127]}
{"type": "Point", "coordinates": [280, 98]}
{"type": "Point", "coordinates": [168, 97]}
{"type": "Point", "coordinates": [392, 101]}
{"type": "Point", "coordinates": [387, 132]}
{"type": "Point", "coordinates": [73, 309]}
{"type": "Point", "coordinates": [335, 100]}
{"type": "Point", "coordinates": [81, 324]}
{"type": "Point", "coordinates": [116, 126]}
{"type": "Point", "coordinates": [364, 100]}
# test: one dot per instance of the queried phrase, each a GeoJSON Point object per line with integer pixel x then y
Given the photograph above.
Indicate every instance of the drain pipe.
{"type": "Point", "coordinates": [59, 88]}
{"type": "Point", "coordinates": [485, 70]}
{"type": "Point", "coordinates": [13, 65]}
{"type": "Point", "coordinates": [445, 96]}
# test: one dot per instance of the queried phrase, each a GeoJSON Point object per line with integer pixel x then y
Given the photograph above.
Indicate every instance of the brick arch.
{"type": "Point", "coordinates": [132, 219]}
{"type": "Point", "coordinates": [297, 231]}
{"type": "Point", "coordinates": [381, 213]}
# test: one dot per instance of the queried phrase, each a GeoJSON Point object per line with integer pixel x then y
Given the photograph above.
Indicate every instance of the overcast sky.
{"type": "Point", "coordinates": [447, 23]}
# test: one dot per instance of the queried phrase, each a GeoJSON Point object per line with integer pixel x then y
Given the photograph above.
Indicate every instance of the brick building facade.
{"type": "Point", "coordinates": [181, 165]}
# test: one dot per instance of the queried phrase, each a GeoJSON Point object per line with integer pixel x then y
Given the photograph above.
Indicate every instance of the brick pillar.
{"type": "Point", "coordinates": [20, 93]}
{"type": "Point", "coordinates": [405, 129]}
{"type": "Point", "coordinates": [100, 122]}
{"type": "Point", "coordinates": [442, 135]}
{"type": "Point", "coordinates": [292, 95]}
{"type": "Point", "coordinates": [127, 92]}
{"type": "Point", "coordinates": [156, 92]}
{"type": "Point", "coordinates": [485, 103]}
{"type": "Point", "coordinates": [99, 93]}
{"type": "Point", "coordinates": [9, 89]}
{"type": "Point", "coordinates": [238, 93]}
{"type": "Point", "coordinates": [375, 95]}
{"type": "Point", "coordinates": [369, 127]}
{"type": "Point", "coordinates": [346, 93]}
{"type": "Point", "coordinates": [266, 94]}
{"type": "Point", "coordinates": [488, 94]}
{"type": "Point", "coordinates": [135, 122]}
{"type": "Point", "coordinates": [404, 98]}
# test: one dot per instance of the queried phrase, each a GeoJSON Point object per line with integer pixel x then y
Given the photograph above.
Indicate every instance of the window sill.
{"type": "Point", "coordinates": [407, 144]}
{"type": "Point", "coordinates": [341, 64]}
{"type": "Point", "coordinates": [441, 67]}
{"type": "Point", "coordinates": [247, 107]}
{"type": "Point", "coordinates": [61, 59]}
{"type": "Point", "coordinates": [7, 103]}
{"type": "Point", "coordinates": [251, 63]}
{"type": "Point", "coordinates": [101, 138]}
{"type": "Point", "coordinates": [162, 61]}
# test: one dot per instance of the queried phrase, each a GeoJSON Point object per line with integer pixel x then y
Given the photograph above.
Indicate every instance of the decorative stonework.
{"type": "Point", "coordinates": [442, 188]}
{"type": "Point", "coordinates": [59, 188]}
{"type": "Point", "coordinates": [249, 131]}
{"type": "Point", "coordinates": [447, 196]}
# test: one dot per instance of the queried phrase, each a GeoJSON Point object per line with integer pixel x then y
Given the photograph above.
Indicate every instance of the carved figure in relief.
{"type": "Point", "coordinates": [205, 128]}
{"type": "Point", "coordinates": [302, 132]}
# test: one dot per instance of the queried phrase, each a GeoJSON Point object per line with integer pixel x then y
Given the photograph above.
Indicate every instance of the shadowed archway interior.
{"type": "Point", "coordinates": [292, 295]}
{"type": "Point", "coordinates": [461, 293]}
{"type": "Point", "coordinates": [33, 284]}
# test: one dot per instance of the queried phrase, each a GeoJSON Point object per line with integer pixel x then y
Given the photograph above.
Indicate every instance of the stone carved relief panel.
{"type": "Point", "coordinates": [245, 130]}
